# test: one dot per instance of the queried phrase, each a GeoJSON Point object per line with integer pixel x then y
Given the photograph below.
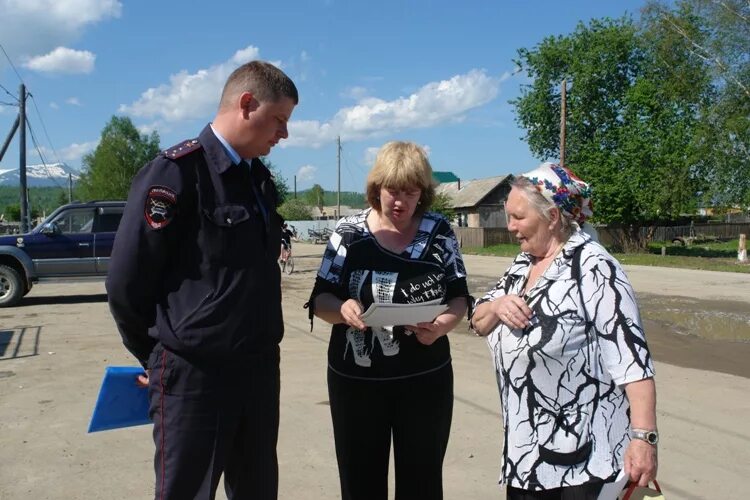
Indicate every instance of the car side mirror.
{"type": "Point", "coordinates": [50, 229]}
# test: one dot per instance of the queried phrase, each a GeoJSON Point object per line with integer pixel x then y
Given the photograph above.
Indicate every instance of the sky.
{"type": "Point", "coordinates": [436, 73]}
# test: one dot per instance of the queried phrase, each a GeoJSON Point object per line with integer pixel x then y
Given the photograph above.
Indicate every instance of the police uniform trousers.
{"type": "Point", "coordinates": [210, 420]}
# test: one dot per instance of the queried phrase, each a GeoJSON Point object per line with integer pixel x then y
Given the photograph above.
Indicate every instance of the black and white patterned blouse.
{"type": "Point", "coordinates": [355, 266]}
{"type": "Point", "coordinates": [561, 379]}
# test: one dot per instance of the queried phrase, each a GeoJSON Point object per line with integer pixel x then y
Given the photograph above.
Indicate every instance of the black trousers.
{"type": "Point", "coordinates": [209, 421]}
{"type": "Point", "coordinates": [588, 491]}
{"type": "Point", "coordinates": [415, 411]}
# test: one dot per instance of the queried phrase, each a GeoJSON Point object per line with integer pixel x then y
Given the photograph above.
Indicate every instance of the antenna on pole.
{"type": "Point", "coordinates": [338, 162]}
{"type": "Point", "coordinates": [563, 105]}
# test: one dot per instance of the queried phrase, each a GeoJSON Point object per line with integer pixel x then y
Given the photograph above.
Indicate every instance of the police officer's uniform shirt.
{"type": "Point", "coordinates": [355, 266]}
{"type": "Point", "coordinates": [194, 259]}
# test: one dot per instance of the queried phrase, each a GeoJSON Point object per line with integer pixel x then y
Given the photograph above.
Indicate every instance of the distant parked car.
{"type": "Point", "coordinates": [74, 241]}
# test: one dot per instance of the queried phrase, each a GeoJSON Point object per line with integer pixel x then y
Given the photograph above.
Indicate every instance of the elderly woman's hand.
{"type": "Point", "coordinates": [641, 462]}
{"type": "Point", "coordinates": [512, 311]}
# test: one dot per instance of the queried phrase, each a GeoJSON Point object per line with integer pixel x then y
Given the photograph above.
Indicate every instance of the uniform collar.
{"type": "Point", "coordinates": [220, 155]}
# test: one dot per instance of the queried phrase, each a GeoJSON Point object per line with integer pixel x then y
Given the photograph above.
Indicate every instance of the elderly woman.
{"type": "Point", "coordinates": [397, 381]}
{"type": "Point", "coordinates": [574, 371]}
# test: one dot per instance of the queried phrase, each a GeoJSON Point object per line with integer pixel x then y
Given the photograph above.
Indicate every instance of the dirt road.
{"type": "Point", "coordinates": [54, 347]}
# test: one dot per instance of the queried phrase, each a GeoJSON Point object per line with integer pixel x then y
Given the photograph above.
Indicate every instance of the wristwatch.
{"type": "Point", "coordinates": [651, 437]}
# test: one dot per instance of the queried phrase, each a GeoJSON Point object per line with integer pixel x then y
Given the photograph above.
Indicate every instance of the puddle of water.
{"type": "Point", "coordinates": [701, 334]}
{"type": "Point", "coordinates": [707, 319]}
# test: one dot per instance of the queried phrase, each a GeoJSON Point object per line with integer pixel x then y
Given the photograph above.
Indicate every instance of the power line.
{"type": "Point", "coordinates": [11, 63]}
{"type": "Point", "coordinates": [9, 93]}
{"type": "Point", "coordinates": [44, 128]}
{"type": "Point", "coordinates": [41, 156]}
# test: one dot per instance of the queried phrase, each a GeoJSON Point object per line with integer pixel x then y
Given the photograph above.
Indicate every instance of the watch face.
{"type": "Point", "coordinates": [652, 437]}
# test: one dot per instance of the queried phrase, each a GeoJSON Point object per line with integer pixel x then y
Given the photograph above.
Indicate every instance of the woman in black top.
{"type": "Point", "coordinates": [391, 381]}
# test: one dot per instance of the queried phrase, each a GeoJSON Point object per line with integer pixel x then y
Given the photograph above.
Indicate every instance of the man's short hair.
{"type": "Point", "coordinates": [265, 81]}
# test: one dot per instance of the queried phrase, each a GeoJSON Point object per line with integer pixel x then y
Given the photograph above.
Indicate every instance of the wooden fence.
{"type": "Point", "coordinates": [488, 236]}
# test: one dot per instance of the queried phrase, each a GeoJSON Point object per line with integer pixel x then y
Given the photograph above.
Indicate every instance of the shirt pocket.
{"type": "Point", "coordinates": [232, 234]}
{"type": "Point", "coordinates": [564, 437]}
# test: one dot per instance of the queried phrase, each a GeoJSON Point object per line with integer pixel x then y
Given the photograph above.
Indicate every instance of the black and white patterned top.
{"type": "Point", "coordinates": [561, 379]}
{"type": "Point", "coordinates": [355, 266]}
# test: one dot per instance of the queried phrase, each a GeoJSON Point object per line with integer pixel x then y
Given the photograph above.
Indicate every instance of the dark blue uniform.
{"type": "Point", "coordinates": [196, 294]}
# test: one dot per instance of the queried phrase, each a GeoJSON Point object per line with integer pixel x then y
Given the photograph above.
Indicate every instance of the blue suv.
{"type": "Point", "coordinates": [74, 241]}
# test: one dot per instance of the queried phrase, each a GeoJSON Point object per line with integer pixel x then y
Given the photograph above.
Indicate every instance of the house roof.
{"type": "Point", "coordinates": [472, 192]}
{"type": "Point", "coordinates": [441, 177]}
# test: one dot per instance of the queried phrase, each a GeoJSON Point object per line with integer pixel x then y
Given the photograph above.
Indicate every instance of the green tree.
{"type": "Point", "coordinates": [13, 212]}
{"type": "Point", "coordinates": [281, 184]}
{"type": "Point", "coordinates": [631, 118]}
{"type": "Point", "coordinates": [442, 204]}
{"type": "Point", "coordinates": [315, 196]}
{"type": "Point", "coordinates": [718, 34]}
{"type": "Point", "coordinates": [109, 170]}
{"type": "Point", "coordinates": [295, 209]}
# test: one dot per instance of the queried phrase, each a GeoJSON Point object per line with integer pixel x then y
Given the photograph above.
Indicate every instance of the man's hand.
{"type": "Point", "coordinates": [142, 379]}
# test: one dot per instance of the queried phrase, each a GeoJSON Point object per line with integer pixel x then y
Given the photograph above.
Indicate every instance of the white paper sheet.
{"type": "Point", "coordinates": [401, 314]}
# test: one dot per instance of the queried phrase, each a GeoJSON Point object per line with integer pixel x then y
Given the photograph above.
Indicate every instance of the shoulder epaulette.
{"type": "Point", "coordinates": [182, 149]}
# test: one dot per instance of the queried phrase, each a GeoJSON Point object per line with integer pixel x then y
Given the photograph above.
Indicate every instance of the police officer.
{"type": "Point", "coordinates": [196, 294]}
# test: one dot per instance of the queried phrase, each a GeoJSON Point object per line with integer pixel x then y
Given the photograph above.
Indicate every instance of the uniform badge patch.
{"type": "Point", "coordinates": [160, 206]}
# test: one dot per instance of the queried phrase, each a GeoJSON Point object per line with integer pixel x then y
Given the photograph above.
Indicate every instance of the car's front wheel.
{"type": "Point", "coordinates": [11, 286]}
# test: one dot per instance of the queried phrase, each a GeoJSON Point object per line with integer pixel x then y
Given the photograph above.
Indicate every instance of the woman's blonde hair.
{"type": "Point", "coordinates": [401, 165]}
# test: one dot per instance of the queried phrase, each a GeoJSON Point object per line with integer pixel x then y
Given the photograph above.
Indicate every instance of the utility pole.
{"type": "Point", "coordinates": [338, 162]}
{"type": "Point", "coordinates": [295, 186]}
{"type": "Point", "coordinates": [563, 105]}
{"type": "Point", "coordinates": [9, 138]}
{"type": "Point", "coordinates": [22, 159]}
{"type": "Point", "coordinates": [70, 188]}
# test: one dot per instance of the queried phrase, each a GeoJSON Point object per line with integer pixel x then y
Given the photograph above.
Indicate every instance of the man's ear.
{"type": "Point", "coordinates": [248, 103]}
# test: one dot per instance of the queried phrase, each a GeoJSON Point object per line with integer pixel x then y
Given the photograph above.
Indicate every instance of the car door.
{"type": "Point", "coordinates": [105, 226]}
{"type": "Point", "coordinates": [68, 247]}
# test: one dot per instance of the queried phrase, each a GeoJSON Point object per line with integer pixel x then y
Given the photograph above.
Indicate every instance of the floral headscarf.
{"type": "Point", "coordinates": [563, 188]}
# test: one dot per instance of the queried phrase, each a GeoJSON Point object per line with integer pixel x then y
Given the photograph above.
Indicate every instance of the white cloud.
{"type": "Point", "coordinates": [73, 101]}
{"type": "Point", "coordinates": [72, 153]}
{"type": "Point", "coordinates": [63, 60]}
{"type": "Point", "coordinates": [189, 96]}
{"type": "Point", "coordinates": [54, 105]}
{"type": "Point", "coordinates": [306, 173]}
{"type": "Point", "coordinates": [33, 27]}
{"type": "Point", "coordinates": [370, 155]}
{"type": "Point", "coordinates": [433, 104]}
{"type": "Point", "coordinates": [356, 93]}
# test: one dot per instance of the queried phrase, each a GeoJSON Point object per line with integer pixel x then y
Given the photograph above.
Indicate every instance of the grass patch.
{"type": "Point", "coordinates": [713, 256]}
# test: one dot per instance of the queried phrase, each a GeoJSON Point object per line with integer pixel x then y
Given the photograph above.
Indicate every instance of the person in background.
{"type": "Point", "coordinates": [287, 234]}
{"type": "Point", "coordinates": [195, 292]}
{"type": "Point", "coordinates": [575, 373]}
{"type": "Point", "coordinates": [393, 382]}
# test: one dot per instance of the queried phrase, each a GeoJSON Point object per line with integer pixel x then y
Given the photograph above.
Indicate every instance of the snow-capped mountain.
{"type": "Point", "coordinates": [52, 174]}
